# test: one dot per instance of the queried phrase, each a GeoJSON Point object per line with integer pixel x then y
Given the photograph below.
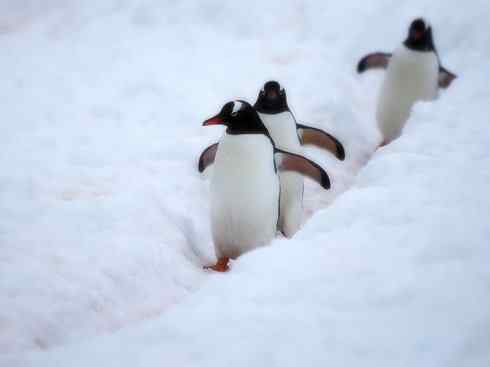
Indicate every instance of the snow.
{"type": "Point", "coordinates": [105, 223]}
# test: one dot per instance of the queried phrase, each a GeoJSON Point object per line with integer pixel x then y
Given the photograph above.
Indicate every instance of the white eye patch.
{"type": "Point", "coordinates": [237, 106]}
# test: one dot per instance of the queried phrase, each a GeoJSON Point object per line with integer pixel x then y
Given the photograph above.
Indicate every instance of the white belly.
{"type": "Point", "coordinates": [411, 76]}
{"type": "Point", "coordinates": [282, 128]}
{"type": "Point", "coordinates": [244, 194]}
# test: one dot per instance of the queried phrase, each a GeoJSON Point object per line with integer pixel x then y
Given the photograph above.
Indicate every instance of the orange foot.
{"type": "Point", "coordinates": [221, 265]}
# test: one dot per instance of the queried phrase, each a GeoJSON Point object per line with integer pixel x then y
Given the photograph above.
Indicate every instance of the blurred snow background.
{"type": "Point", "coordinates": [104, 219]}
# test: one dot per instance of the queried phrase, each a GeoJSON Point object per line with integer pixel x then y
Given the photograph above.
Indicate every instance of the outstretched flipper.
{"type": "Point", "coordinates": [445, 77]}
{"type": "Point", "coordinates": [376, 60]}
{"type": "Point", "coordinates": [294, 162]}
{"type": "Point", "coordinates": [313, 136]}
{"type": "Point", "coordinates": [207, 157]}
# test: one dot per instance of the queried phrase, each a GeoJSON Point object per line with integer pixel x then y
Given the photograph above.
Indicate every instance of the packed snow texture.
{"type": "Point", "coordinates": [105, 224]}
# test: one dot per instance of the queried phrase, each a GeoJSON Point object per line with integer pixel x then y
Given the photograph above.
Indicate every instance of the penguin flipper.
{"type": "Point", "coordinates": [313, 136]}
{"type": "Point", "coordinates": [375, 60]}
{"type": "Point", "coordinates": [294, 162]}
{"type": "Point", "coordinates": [207, 157]}
{"type": "Point", "coordinates": [445, 77]}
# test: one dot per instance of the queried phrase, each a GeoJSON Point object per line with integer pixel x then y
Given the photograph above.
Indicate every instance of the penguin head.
{"type": "Point", "coordinates": [239, 117]}
{"type": "Point", "coordinates": [272, 98]}
{"type": "Point", "coordinates": [419, 36]}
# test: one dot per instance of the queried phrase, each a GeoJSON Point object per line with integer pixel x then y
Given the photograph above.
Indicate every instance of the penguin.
{"type": "Point", "coordinates": [413, 73]}
{"type": "Point", "coordinates": [287, 134]}
{"type": "Point", "coordinates": [245, 183]}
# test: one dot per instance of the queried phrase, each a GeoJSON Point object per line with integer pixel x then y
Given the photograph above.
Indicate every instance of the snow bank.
{"type": "Point", "coordinates": [105, 218]}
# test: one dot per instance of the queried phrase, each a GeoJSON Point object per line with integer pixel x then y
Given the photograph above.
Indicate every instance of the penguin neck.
{"type": "Point", "coordinates": [263, 106]}
{"type": "Point", "coordinates": [244, 130]}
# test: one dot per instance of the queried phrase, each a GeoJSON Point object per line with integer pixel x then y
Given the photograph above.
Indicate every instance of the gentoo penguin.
{"type": "Point", "coordinates": [245, 184]}
{"type": "Point", "coordinates": [287, 134]}
{"type": "Point", "coordinates": [414, 72]}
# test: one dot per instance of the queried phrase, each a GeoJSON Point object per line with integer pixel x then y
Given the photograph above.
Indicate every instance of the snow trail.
{"type": "Point", "coordinates": [105, 218]}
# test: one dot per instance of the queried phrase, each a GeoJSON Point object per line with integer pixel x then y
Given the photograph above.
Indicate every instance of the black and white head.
{"type": "Point", "coordinates": [272, 98]}
{"type": "Point", "coordinates": [239, 117]}
{"type": "Point", "coordinates": [420, 36]}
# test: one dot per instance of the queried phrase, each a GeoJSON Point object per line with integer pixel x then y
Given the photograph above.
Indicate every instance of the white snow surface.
{"type": "Point", "coordinates": [104, 223]}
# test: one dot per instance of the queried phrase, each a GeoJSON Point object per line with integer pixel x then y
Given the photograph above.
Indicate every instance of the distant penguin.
{"type": "Point", "coordinates": [245, 183]}
{"type": "Point", "coordinates": [287, 134]}
{"type": "Point", "coordinates": [414, 73]}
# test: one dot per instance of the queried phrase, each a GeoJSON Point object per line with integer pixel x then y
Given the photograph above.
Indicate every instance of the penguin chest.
{"type": "Point", "coordinates": [282, 128]}
{"type": "Point", "coordinates": [244, 194]}
{"type": "Point", "coordinates": [412, 75]}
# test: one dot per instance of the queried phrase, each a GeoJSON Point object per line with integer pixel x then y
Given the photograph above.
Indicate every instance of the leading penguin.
{"type": "Point", "coordinates": [245, 183]}
{"type": "Point", "coordinates": [287, 134]}
{"type": "Point", "coordinates": [414, 73]}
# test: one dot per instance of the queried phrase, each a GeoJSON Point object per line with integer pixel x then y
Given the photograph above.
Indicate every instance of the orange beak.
{"type": "Point", "coordinates": [215, 120]}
